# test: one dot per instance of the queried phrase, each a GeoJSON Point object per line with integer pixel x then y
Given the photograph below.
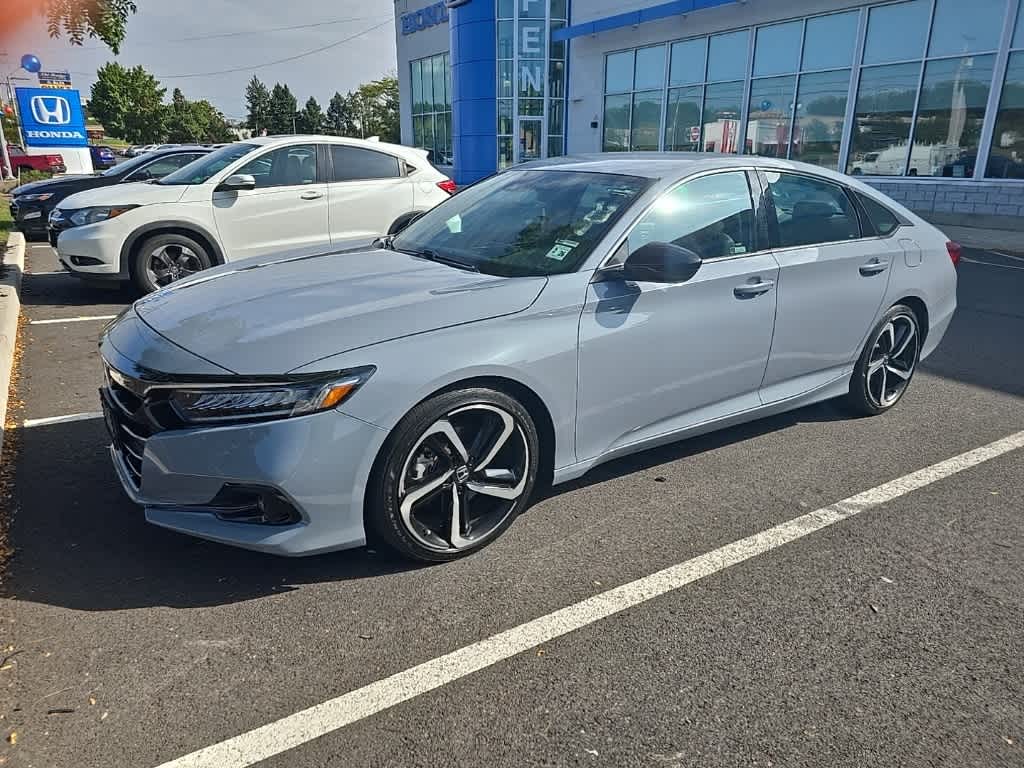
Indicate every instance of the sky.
{"type": "Point", "coordinates": [229, 34]}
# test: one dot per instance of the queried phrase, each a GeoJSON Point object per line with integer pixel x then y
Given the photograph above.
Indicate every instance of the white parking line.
{"type": "Point", "coordinates": [304, 726]}
{"type": "Point", "coordinates": [49, 274]}
{"type": "Point", "coordinates": [1008, 255]}
{"type": "Point", "coordinates": [80, 319]}
{"type": "Point", "coordinates": [989, 263]}
{"type": "Point", "coordinates": [62, 419]}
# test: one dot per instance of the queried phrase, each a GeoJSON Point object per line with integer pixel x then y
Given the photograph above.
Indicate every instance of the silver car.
{"type": "Point", "coordinates": [545, 320]}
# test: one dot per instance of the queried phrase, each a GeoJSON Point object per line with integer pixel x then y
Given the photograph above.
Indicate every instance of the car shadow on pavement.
{"type": "Point", "coordinates": [56, 290]}
{"type": "Point", "coordinates": [79, 543]}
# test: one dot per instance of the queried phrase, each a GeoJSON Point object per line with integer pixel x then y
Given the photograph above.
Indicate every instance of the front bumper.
{"type": "Point", "coordinates": [29, 218]}
{"type": "Point", "coordinates": [93, 250]}
{"type": "Point", "coordinates": [318, 464]}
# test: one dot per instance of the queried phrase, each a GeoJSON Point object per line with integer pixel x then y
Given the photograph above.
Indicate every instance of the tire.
{"type": "Point", "coordinates": [402, 222]}
{"type": "Point", "coordinates": [172, 257]}
{"type": "Point", "coordinates": [886, 357]}
{"type": "Point", "coordinates": [420, 470]}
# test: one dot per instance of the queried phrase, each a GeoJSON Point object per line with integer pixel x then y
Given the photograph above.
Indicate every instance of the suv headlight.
{"type": "Point", "coordinates": [99, 213]}
{"type": "Point", "coordinates": [34, 198]}
{"type": "Point", "coordinates": [230, 402]}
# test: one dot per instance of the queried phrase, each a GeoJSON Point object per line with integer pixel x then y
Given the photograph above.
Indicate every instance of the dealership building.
{"type": "Point", "coordinates": [923, 99]}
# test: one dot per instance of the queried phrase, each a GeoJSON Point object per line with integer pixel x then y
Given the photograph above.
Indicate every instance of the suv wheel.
{"type": "Point", "coordinates": [163, 259]}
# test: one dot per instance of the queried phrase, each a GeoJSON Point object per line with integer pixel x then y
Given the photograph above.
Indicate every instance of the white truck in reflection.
{"type": "Point", "coordinates": [924, 160]}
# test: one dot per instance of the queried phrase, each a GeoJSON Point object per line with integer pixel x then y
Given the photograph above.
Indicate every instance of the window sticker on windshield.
{"type": "Point", "coordinates": [454, 224]}
{"type": "Point", "coordinates": [561, 249]}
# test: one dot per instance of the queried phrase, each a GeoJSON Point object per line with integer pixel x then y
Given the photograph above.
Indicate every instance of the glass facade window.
{"type": "Point", "coordinates": [770, 115]}
{"type": "Point", "coordinates": [830, 40]}
{"type": "Point", "coordinates": [432, 107]}
{"type": "Point", "coordinates": [897, 32]}
{"type": "Point", "coordinates": [682, 121]}
{"type": "Point", "coordinates": [950, 114]}
{"type": "Point", "coordinates": [777, 50]}
{"type": "Point", "coordinates": [881, 126]}
{"type": "Point", "coordinates": [820, 115]}
{"type": "Point", "coordinates": [531, 80]}
{"type": "Point", "coordinates": [921, 73]}
{"type": "Point", "coordinates": [956, 32]}
{"type": "Point", "coordinates": [1006, 160]}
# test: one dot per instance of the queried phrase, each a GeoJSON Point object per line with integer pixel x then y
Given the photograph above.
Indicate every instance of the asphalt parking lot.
{"type": "Point", "coordinates": [892, 638]}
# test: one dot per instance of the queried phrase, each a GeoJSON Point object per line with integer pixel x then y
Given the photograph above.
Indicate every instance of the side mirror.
{"type": "Point", "coordinates": [236, 182]}
{"type": "Point", "coordinates": [661, 263]}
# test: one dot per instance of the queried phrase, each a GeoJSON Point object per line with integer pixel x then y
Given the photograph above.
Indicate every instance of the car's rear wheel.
{"type": "Point", "coordinates": [454, 474]}
{"type": "Point", "coordinates": [886, 364]}
{"type": "Point", "coordinates": [164, 259]}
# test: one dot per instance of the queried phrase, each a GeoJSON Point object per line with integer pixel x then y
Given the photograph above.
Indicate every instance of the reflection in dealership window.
{"type": "Point", "coordinates": [1006, 160]}
{"type": "Point", "coordinates": [616, 123]}
{"type": "Point", "coordinates": [712, 216]}
{"type": "Point", "coordinates": [950, 116]}
{"type": "Point", "coordinates": [646, 125]}
{"type": "Point", "coordinates": [771, 113]}
{"type": "Point", "coordinates": [881, 127]}
{"type": "Point", "coordinates": [820, 112]}
{"type": "Point", "coordinates": [682, 123]}
{"type": "Point", "coordinates": [432, 107]}
{"type": "Point", "coordinates": [722, 117]}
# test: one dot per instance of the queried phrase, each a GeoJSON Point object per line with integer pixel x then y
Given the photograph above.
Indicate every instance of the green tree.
{"type": "Point", "coordinates": [375, 108]}
{"type": "Point", "coordinates": [196, 121]}
{"type": "Point", "coordinates": [78, 19]}
{"type": "Point", "coordinates": [283, 110]}
{"type": "Point", "coordinates": [311, 118]}
{"type": "Point", "coordinates": [339, 116]}
{"type": "Point", "coordinates": [257, 100]}
{"type": "Point", "coordinates": [129, 103]}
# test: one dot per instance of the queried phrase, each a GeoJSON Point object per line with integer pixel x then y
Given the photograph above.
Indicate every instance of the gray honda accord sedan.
{"type": "Point", "coordinates": [549, 318]}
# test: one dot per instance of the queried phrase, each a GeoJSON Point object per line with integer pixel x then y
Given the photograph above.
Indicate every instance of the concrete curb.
{"type": "Point", "coordinates": [10, 309]}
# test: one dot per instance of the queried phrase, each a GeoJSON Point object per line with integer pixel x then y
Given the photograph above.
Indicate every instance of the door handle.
{"type": "Point", "coordinates": [311, 195]}
{"type": "Point", "coordinates": [874, 267]}
{"type": "Point", "coordinates": [748, 290]}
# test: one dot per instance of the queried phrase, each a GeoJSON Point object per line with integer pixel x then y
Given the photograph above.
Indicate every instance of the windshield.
{"type": "Point", "coordinates": [521, 223]}
{"type": "Point", "coordinates": [127, 166]}
{"type": "Point", "coordinates": [201, 170]}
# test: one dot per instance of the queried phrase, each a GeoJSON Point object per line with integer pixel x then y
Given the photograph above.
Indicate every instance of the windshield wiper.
{"type": "Point", "coordinates": [430, 255]}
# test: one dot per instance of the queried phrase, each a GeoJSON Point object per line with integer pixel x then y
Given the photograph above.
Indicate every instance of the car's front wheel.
{"type": "Point", "coordinates": [886, 364]}
{"type": "Point", "coordinates": [454, 474]}
{"type": "Point", "coordinates": [163, 259]}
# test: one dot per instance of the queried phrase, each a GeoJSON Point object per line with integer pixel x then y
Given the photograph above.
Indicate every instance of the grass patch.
{"type": "Point", "coordinates": [6, 224]}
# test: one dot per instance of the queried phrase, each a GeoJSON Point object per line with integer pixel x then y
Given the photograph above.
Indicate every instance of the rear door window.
{"type": "Point", "coordinates": [358, 164]}
{"type": "Point", "coordinates": [811, 211]}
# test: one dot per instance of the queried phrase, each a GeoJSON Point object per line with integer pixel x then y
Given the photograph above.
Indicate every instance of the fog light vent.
{"type": "Point", "coordinates": [252, 504]}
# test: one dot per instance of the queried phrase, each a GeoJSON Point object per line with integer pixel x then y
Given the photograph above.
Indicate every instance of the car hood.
{"type": "Point", "coordinates": [133, 193]}
{"type": "Point", "coordinates": [273, 315]}
{"type": "Point", "coordinates": [38, 187]}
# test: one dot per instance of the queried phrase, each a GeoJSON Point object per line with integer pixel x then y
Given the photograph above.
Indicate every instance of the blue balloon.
{"type": "Point", "coordinates": [31, 63]}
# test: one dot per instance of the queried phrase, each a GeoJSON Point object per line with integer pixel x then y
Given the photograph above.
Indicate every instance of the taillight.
{"type": "Point", "coordinates": [954, 252]}
{"type": "Point", "coordinates": [448, 186]}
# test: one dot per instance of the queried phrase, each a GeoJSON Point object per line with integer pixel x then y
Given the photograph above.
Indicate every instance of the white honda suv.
{"type": "Point", "coordinates": [276, 194]}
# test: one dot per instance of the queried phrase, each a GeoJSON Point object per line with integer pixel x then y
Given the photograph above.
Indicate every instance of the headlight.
{"type": "Point", "coordinates": [205, 404]}
{"type": "Point", "coordinates": [85, 216]}
{"type": "Point", "coordinates": [34, 198]}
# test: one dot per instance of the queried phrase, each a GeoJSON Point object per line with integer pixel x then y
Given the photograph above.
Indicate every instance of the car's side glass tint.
{"type": "Point", "coordinates": [712, 216]}
{"type": "Point", "coordinates": [284, 167]}
{"type": "Point", "coordinates": [355, 164]}
{"type": "Point", "coordinates": [882, 219]}
{"type": "Point", "coordinates": [811, 211]}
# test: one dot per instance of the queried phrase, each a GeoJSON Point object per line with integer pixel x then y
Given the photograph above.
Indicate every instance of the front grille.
{"type": "Point", "coordinates": [133, 418]}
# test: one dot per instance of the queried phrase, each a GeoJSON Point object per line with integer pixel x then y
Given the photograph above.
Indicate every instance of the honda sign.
{"type": "Point", "coordinates": [52, 120]}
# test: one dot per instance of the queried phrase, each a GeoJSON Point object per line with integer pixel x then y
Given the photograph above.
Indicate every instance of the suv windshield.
{"type": "Point", "coordinates": [199, 171]}
{"type": "Point", "coordinates": [522, 223]}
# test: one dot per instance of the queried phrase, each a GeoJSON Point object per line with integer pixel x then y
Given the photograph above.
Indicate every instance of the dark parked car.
{"type": "Point", "coordinates": [31, 203]}
{"type": "Point", "coordinates": [102, 158]}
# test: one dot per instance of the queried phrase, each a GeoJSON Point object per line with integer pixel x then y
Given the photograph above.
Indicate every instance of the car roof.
{"type": "Point", "coordinates": [663, 165]}
{"type": "Point", "coordinates": [398, 149]}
